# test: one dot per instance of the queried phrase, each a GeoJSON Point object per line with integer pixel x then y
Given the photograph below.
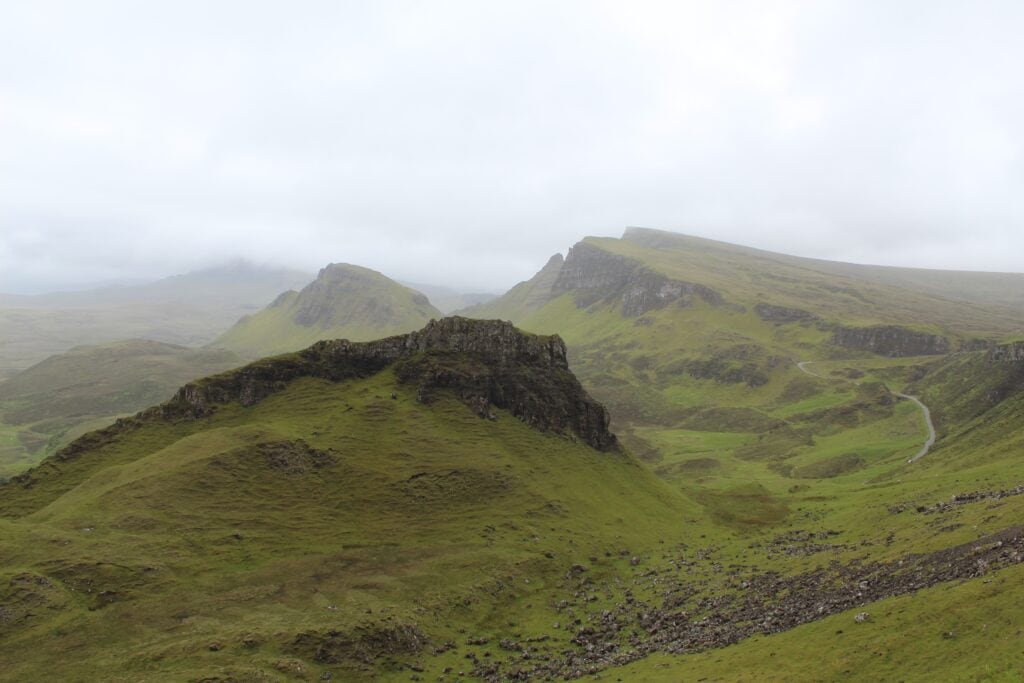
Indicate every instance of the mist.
{"type": "Point", "coordinates": [463, 143]}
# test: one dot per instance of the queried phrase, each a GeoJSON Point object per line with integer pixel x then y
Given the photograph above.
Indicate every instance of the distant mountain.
{"type": "Point", "coordinates": [603, 269]}
{"type": "Point", "coordinates": [233, 284]}
{"type": "Point", "coordinates": [448, 300]}
{"type": "Point", "coordinates": [190, 309]}
{"type": "Point", "coordinates": [345, 301]}
{"type": "Point", "coordinates": [48, 404]}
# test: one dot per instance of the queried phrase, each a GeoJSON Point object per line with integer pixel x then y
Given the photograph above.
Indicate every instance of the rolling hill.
{"type": "Point", "coordinates": [450, 503]}
{"type": "Point", "coordinates": [351, 510]}
{"type": "Point", "coordinates": [345, 301]}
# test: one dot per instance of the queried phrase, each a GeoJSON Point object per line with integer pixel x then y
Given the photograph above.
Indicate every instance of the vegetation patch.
{"type": "Point", "coordinates": [829, 467]}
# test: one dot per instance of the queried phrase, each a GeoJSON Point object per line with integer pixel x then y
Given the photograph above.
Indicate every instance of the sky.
{"type": "Point", "coordinates": [463, 143]}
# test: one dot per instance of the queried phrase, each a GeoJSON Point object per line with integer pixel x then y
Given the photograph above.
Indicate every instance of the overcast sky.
{"type": "Point", "coordinates": [465, 142]}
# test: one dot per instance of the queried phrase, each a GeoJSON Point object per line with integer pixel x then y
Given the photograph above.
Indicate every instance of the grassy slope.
{"type": "Point", "coordinates": [56, 400]}
{"type": "Point", "coordinates": [430, 517]}
{"type": "Point", "coordinates": [930, 291]}
{"type": "Point", "coordinates": [345, 301]}
{"type": "Point", "coordinates": [839, 462]}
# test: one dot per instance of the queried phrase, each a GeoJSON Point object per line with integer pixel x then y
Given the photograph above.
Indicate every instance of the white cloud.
{"type": "Point", "coordinates": [464, 142]}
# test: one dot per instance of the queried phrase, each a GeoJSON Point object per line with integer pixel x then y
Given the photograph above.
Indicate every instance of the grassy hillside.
{"type": "Point", "coordinates": [345, 301]}
{"type": "Point", "coordinates": [694, 345]}
{"type": "Point", "coordinates": [333, 527]}
{"type": "Point", "coordinates": [367, 512]}
{"type": "Point", "coordinates": [57, 400]}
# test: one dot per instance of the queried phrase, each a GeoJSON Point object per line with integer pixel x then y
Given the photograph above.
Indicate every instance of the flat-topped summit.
{"type": "Point", "coordinates": [485, 363]}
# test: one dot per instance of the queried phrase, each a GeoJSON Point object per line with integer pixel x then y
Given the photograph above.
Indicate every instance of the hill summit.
{"type": "Point", "coordinates": [345, 300]}
{"type": "Point", "coordinates": [346, 512]}
{"type": "Point", "coordinates": [484, 362]}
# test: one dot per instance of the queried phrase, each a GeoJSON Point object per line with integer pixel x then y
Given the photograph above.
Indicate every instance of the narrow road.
{"type": "Point", "coordinates": [803, 368]}
{"type": "Point", "coordinates": [929, 442]}
{"type": "Point", "coordinates": [928, 421]}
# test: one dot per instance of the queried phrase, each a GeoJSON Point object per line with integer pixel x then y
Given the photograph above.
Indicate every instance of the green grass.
{"type": "Point", "coordinates": [429, 516]}
{"type": "Point", "coordinates": [434, 522]}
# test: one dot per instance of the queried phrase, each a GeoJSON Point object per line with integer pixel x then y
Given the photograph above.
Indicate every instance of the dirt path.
{"type": "Point", "coordinates": [929, 442]}
{"type": "Point", "coordinates": [928, 421]}
{"type": "Point", "coordinates": [802, 365]}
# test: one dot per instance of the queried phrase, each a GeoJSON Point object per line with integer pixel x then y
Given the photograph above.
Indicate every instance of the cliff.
{"type": "Point", "coordinates": [483, 362]}
{"type": "Point", "coordinates": [782, 314]}
{"type": "Point", "coordinates": [890, 340]}
{"type": "Point", "coordinates": [594, 275]}
{"type": "Point", "coordinates": [1007, 353]}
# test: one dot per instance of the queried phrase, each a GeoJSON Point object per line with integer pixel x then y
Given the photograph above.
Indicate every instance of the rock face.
{"type": "Point", "coordinates": [541, 283]}
{"type": "Point", "coordinates": [484, 362]}
{"type": "Point", "coordinates": [890, 340]}
{"type": "Point", "coordinates": [594, 275]}
{"type": "Point", "coordinates": [1007, 353]}
{"type": "Point", "coordinates": [782, 314]}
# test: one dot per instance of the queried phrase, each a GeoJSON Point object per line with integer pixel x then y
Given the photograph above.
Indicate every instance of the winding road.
{"type": "Point", "coordinates": [929, 442]}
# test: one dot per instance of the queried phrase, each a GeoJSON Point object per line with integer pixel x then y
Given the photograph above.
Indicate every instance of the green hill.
{"type": "Point", "coordinates": [344, 301]}
{"type": "Point", "coordinates": [661, 326]}
{"type": "Point", "coordinates": [450, 503]}
{"type": "Point", "coordinates": [695, 346]}
{"type": "Point", "coordinates": [56, 400]}
{"type": "Point", "coordinates": [352, 510]}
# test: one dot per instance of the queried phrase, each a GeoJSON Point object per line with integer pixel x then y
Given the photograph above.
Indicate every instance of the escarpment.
{"type": "Point", "coordinates": [890, 340]}
{"type": "Point", "coordinates": [1012, 352]}
{"type": "Point", "coordinates": [594, 275]}
{"type": "Point", "coordinates": [483, 362]}
{"type": "Point", "coordinates": [782, 314]}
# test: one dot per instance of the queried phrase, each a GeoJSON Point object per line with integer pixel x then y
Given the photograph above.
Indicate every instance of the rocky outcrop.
{"type": "Point", "coordinates": [484, 362]}
{"type": "Point", "coordinates": [890, 340]}
{"type": "Point", "coordinates": [540, 285]}
{"type": "Point", "coordinates": [595, 275]}
{"type": "Point", "coordinates": [1007, 353]}
{"type": "Point", "coordinates": [782, 314]}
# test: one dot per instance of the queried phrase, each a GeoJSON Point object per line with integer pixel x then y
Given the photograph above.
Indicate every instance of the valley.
{"type": "Point", "coordinates": [680, 460]}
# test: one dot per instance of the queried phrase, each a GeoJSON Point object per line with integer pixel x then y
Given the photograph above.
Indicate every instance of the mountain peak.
{"type": "Point", "coordinates": [345, 300]}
